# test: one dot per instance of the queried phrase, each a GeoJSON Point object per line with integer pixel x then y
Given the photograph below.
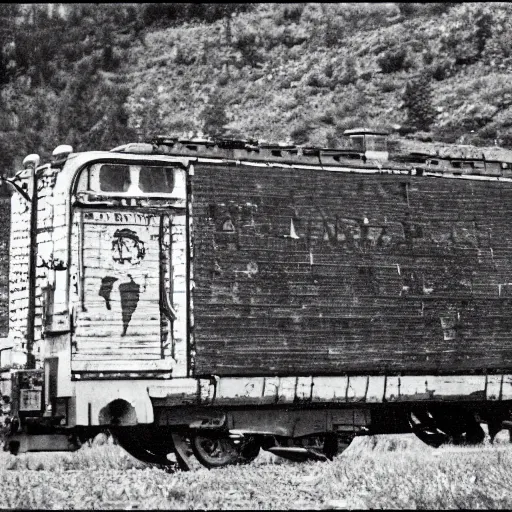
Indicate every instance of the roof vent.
{"type": "Point", "coordinates": [62, 151]}
{"type": "Point", "coordinates": [142, 148]}
{"type": "Point", "coordinates": [31, 161]}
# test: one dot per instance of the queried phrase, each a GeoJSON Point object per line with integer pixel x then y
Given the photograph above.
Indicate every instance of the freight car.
{"type": "Point", "coordinates": [226, 296]}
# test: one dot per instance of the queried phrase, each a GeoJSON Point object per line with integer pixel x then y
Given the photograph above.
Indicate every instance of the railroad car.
{"type": "Point", "coordinates": [220, 297]}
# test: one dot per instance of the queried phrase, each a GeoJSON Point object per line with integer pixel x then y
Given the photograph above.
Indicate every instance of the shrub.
{"type": "Point", "coordinates": [366, 76]}
{"type": "Point", "coordinates": [158, 13]}
{"type": "Point", "coordinates": [388, 85]}
{"type": "Point", "coordinates": [288, 104]}
{"type": "Point", "coordinates": [327, 118]}
{"type": "Point", "coordinates": [417, 100]}
{"type": "Point", "coordinates": [179, 126]}
{"type": "Point", "coordinates": [247, 43]}
{"type": "Point", "coordinates": [440, 70]}
{"type": "Point", "coordinates": [352, 120]}
{"type": "Point", "coordinates": [489, 131]}
{"type": "Point", "coordinates": [314, 80]}
{"type": "Point", "coordinates": [292, 13]}
{"type": "Point", "coordinates": [214, 116]}
{"type": "Point", "coordinates": [424, 136]}
{"type": "Point", "coordinates": [428, 57]}
{"type": "Point", "coordinates": [300, 134]}
{"type": "Point", "coordinates": [332, 140]}
{"type": "Point", "coordinates": [484, 24]}
{"type": "Point", "coordinates": [408, 9]}
{"type": "Point", "coordinates": [393, 61]}
{"type": "Point", "coordinates": [293, 38]}
{"type": "Point", "coordinates": [440, 8]}
{"type": "Point", "coordinates": [182, 58]}
{"type": "Point", "coordinates": [349, 75]}
{"type": "Point", "coordinates": [333, 34]}
{"type": "Point", "coordinates": [411, 10]}
{"type": "Point", "coordinates": [505, 139]}
{"type": "Point", "coordinates": [163, 13]}
{"type": "Point", "coordinates": [357, 16]}
{"type": "Point", "coordinates": [286, 83]}
{"type": "Point", "coordinates": [406, 129]}
{"type": "Point", "coordinates": [223, 79]}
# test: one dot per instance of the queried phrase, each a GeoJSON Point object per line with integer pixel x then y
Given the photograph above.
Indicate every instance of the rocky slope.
{"type": "Point", "coordinates": [306, 72]}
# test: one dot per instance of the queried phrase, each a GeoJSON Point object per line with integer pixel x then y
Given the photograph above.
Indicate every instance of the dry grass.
{"type": "Point", "coordinates": [380, 472]}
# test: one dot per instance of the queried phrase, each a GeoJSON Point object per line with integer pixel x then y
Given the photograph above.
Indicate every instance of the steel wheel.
{"type": "Point", "coordinates": [215, 452]}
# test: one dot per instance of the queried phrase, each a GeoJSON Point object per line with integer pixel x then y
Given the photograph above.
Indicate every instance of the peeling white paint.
{"type": "Point", "coordinates": [336, 389]}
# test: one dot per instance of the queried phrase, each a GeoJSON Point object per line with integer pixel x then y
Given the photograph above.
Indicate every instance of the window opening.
{"type": "Point", "coordinates": [156, 179]}
{"type": "Point", "coordinates": [114, 178]}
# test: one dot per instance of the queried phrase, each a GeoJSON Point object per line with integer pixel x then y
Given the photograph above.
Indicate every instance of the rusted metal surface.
{"type": "Point", "coordinates": [299, 272]}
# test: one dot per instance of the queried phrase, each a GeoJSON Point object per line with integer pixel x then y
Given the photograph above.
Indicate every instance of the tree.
{"type": "Point", "coordinates": [393, 60]}
{"type": "Point", "coordinates": [8, 13]}
{"type": "Point", "coordinates": [151, 121]}
{"type": "Point", "coordinates": [248, 44]}
{"type": "Point", "coordinates": [484, 29]}
{"type": "Point", "coordinates": [92, 112]}
{"type": "Point", "coordinates": [214, 117]}
{"type": "Point", "coordinates": [417, 100]}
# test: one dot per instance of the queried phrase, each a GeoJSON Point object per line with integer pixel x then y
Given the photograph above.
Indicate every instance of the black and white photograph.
{"type": "Point", "coordinates": [255, 256]}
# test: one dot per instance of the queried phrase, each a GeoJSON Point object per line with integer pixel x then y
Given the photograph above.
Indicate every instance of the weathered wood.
{"type": "Point", "coordinates": [128, 365]}
{"type": "Point", "coordinates": [144, 331]}
{"type": "Point", "coordinates": [119, 317]}
{"type": "Point", "coordinates": [380, 273]}
{"type": "Point", "coordinates": [5, 211]}
{"type": "Point", "coordinates": [119, 355]}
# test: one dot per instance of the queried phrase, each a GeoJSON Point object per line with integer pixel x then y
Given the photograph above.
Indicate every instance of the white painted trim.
{"type": "Point", "coordinates": [360, 388]}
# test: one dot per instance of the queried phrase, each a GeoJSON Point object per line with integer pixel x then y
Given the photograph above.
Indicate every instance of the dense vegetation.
{"type": "Point", "coordinates": [379, 472]}
{"type": "Point", "coordinates": [98, 75]}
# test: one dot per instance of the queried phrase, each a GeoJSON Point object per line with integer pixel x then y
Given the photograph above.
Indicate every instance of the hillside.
{"type": "Point", "coordinates": [297, 72]}
{"type": "Point", "coordinates": [307, 72]}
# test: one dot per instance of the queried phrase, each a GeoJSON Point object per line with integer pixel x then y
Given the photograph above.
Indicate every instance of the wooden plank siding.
{"type": "Point", "coordinates": [110, 326]}
{"type": "Point", "coordinates": [5, 214]}
{"type": "Point", "coordinates": [314, 272]}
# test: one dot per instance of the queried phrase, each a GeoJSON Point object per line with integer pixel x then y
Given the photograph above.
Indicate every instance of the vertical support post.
{"type": "Point", "coordinates": [31, 360]}
{"type": "Point", "coordinates": [188, 253]}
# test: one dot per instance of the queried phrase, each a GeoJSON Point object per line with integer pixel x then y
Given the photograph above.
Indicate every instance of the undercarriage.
{"type": "Point", "coordinates": [221, 437]}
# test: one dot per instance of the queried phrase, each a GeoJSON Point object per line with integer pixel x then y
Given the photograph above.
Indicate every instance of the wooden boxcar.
{"type": "Point", "coordinates": [228, 296]}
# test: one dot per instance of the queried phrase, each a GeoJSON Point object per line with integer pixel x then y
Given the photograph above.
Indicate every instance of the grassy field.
{"type": "Point", "coordinates": [375, 472]}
